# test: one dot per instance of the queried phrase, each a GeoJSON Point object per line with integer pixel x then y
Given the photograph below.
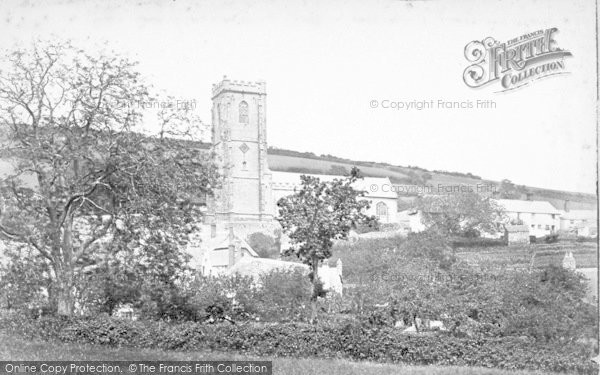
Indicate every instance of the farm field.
{"type": "Point", "coordinates": [14, 348]}
{"type": "Point", "coordinates": [577, 201]}
{"type": "Point", "coordinates": [585, 254]}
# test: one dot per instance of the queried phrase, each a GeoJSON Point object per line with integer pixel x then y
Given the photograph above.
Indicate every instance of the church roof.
{"type": "Point", "coordinates": [375, 187]}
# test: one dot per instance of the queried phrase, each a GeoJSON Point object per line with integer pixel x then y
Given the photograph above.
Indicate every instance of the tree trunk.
{"type": "Point", "coordinates": [315, 292]}
{"type": "Point", "coordinates": [64, 294]}
{"type": "Point", "coordinates": [65, 276]}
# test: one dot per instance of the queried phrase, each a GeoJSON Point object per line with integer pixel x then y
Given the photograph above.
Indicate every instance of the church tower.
{"type": "Point", "coordinates": [240, 144]}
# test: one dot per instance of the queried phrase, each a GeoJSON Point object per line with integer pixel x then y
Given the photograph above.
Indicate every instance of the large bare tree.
{"type": "Point", "coordinates": [79, 170]}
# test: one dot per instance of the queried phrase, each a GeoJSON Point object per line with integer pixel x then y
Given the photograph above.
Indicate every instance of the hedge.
{"type": "Point", "coordinates": [327, 340]}
{"type": "Point", "coordinates": [477, 242]}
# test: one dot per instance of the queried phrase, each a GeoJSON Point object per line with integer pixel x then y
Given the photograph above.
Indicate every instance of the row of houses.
{"type": "Point", "coordinates": [537, 218]}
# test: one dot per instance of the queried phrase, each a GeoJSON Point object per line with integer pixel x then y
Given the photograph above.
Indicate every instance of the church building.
{"type": "Point", "coordinates": [246, 201]}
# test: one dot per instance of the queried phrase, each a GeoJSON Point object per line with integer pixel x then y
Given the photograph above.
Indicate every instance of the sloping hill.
{"type": "Point", "coordinates": [403, 176]}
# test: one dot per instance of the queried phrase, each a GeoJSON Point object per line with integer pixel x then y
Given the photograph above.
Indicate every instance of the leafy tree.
{"type": "Point", "coordinates": [337, 169]}
{"type": "Point", "coordinates": [177, 119]}
{"type": "Point", "coordinates": [23, 279]}
{"type": "Point", "coordinates": [460, 214]}
{"type": "Point", "coordinates": [264, 245]}
{"type": "Point", "coordinates": [317, 214]}
{"type": "Point", "coordinates": [508, 190]}
{"type": "Point", "coordinates": [81, 178]}
{"type": "Point", "coordinates": [426, 177]}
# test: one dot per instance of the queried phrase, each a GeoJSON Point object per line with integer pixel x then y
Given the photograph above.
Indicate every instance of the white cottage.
{"type": "Point", "coordinates": [541, 217]}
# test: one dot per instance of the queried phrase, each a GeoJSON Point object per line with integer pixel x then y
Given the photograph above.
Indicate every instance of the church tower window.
{"type": "Point", "coordinates": [244, 112]}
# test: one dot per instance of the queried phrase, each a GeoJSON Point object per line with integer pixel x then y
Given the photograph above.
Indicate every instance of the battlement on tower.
{"type": "Point", "coordinates": [227, 85]}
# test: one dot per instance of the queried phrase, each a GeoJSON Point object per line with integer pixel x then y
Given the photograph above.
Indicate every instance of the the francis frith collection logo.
{"type": "Point", "coordinates": [514, 63]}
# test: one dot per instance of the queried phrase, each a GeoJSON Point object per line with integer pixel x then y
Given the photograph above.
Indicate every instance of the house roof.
{"type": "Point", "coordinates": [515, 205]}
{"type": "Point", "coordinates": [251, 266]}
{"type": "Point", "coordinates": [289, 181]}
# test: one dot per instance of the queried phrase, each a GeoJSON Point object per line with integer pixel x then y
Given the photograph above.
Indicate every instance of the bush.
{"type": "Point", "coordinates": [265, 246]}
{"type": "Point", "coordinates": [23, 282]}
{"type": "Point", "coordinates": [277, 296]}
{"type": "Point", "coordinates": [477, 242]}
{"type": "Point", "coordinates": [551, 238]}
{"type": "Point", "coordinates": [283, 296]}
{"type": "Point", "coordinates": [350, 340]}
{"type": "Point", "coordinates": [419, 278]}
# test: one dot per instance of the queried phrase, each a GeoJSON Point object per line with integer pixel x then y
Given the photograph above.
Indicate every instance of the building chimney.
{"type": "Point", "coordinates": [566, 205]}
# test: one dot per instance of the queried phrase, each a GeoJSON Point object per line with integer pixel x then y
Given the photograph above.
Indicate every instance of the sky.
{"type": "Point", "coordinates": [326, 63]}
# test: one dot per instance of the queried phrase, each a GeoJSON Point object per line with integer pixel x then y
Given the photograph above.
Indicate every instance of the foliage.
{"type": "Point", "coordinates": [82, 182]}
{"type": "Point", "coordinates": [348, 339]}
{"type": "Point", "coordinates": [264, 245]}
{"type": "Point", "coordinates": [462, 242]}
{"type": "Point", "coordinates": [508, 190]}
{"type": "Point", "coordinates": [367, 255]}
{"type": "Point", "coordinates": [316, 215]}
{"type": "Point", "coordinates": [460, 214]}
{"type": "Point", "coordinates": [397, 279]}
{"type": "Point", "coordinates": [338, 170]}
{"type": "Point", "coordinates": [276, 296]}
{"type": "Point", "coordinates": [282, 296]}
{"type": "Point", "coordinates": [23, 280]}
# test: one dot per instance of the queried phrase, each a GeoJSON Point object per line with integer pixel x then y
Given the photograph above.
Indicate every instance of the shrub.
{"type": "Point", "coordinates": [218, 297]}
{"type": "Point", "coordinates": [418, 278]}
{"type": "Point", "coordinates": [339, 170]}
{"type": "Point", "coordinates": [24, 284]}
{"type": "Point", "coordinates": [276, 296]}
{"type": "Point", "coordinates": [463, 242]}
{"type": "Point", "coordinates": [264, 245]}
{"type": "Point", "coordinates": [330, 339]}
{"type": "Point", "coordinates": [283, 295]}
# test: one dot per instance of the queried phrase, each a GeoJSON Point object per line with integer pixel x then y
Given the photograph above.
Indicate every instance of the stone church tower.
{"type": "Point", "coordinates": [239, 141]}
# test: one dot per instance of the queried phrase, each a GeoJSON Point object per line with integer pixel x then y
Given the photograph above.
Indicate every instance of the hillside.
{"type": "Point", "coordinates": [403, 176]}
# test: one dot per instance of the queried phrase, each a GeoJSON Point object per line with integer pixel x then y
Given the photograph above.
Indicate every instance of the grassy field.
{"type": "Point", "coordinates": [13, 348]}
{"type": "Point", "coordinates": [578, 201]}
